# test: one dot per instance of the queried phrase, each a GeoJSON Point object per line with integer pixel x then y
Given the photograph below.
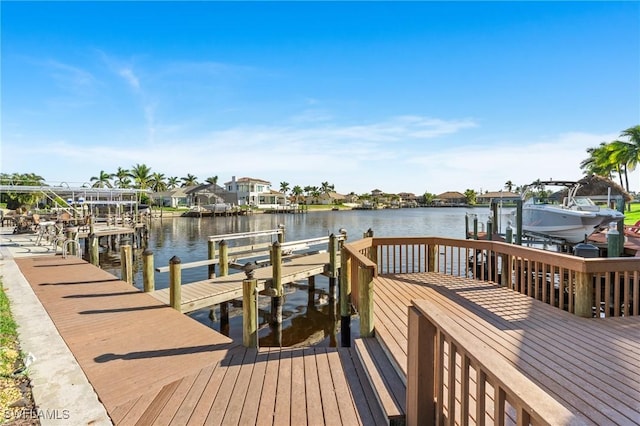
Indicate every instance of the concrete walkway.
{"type": "Point", "coordinates": [61, 391]}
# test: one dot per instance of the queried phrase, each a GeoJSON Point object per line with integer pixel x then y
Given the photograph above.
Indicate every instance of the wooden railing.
{"type": "Point", "coordinates": [600, 287]}
{"type": "Point", "coordinates": [444, 362]}
{"type": "Point", "coordinates": [451, 376]}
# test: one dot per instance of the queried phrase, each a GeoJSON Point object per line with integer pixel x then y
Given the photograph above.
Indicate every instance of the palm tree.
{"type": "Point", "coordinates": [598, 162]}
{"type": "Point", "coordinates": [173, 182]}
{"type": "Point", "coordinates": [315, 193]}
{"type": "Point", "coordinates": [470, 196]}
{"type": "Point", "coordinates": [428, 198]}
{"type": "Point", "coordinates": [141, 174]}
{"type": "Point", "coordinates": [190, 180]}
{"type": "Point", "coordinates": [297, 191]}
{"type": "Point", "coordinates": [620, 155]}
{"type": "Point", "coordinates": [326, 188]}
{"type": "Point", "coordinates": [508, 186]}
{"type": "Point", "coordinates": [284, 187]}
{"type": "Point", "coordinates": [307, 190]}
{"type": "Point", "coordinates": [122, 178]}
{"type": "Point", "coordinates": [627, 151]}
{"type": "Point", "coordinates": [102, 180]}
{"type": "Point", "coordinates": [157, 182]}
{"type": "Point", "coordinates": [213, 180]}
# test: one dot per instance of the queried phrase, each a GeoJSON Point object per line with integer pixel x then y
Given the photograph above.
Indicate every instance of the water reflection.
{"type": "Point", "coordinates": [310, 314]}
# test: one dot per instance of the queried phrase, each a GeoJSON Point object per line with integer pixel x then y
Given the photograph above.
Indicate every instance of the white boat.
{"type": "Point", "coordinates": [573, 220]}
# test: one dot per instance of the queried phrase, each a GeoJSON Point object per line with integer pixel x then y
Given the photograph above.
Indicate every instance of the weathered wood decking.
{"type": "Point", "coordinates": [202, 294]}
{"type": "Point", "coordinates": [150, 364]}
{"type": "Point", "coordinates": [589, 365]}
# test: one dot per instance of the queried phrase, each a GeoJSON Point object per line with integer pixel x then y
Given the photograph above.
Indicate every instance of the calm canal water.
{"type": "Point", "coordinates": [308, 318]}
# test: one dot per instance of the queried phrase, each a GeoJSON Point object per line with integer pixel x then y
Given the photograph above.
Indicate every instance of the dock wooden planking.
{"type": "Point", "coordinates": [152, 365]}
{"type": "Point", "coordinates": [551, 347]}
{"type": "Point", "coordinates": [203, 294]}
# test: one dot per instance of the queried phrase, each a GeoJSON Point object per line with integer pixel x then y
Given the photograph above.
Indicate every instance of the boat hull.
{"type": "Point", "coordinates": [569, 225]}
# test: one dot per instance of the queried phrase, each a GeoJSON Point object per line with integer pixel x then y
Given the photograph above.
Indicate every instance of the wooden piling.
{"type": "Point", "coordinates": [224, 271]}
{"type": "Point", "coordinates": [94, 249]}
{"type": "Point", "coordinates": [509, 234]}
{"type": "Point", "coordinates": [249, 310]}
{"type": "Point", "coordinates": [345, 298]}
{"type": "Point", "coordinates": [311, 291]}
{"type": "Point", "coordinates": [613, 243]}
{"type": "Point", "coordinates": [72, 233]}
{"type": "Point", "coordinates": [224, 258]}
{"type": "Point", "coordinates": [466, 226]}
{"type": "Point", "coordinates": [211, 249]}
{"type": "Point", "coordinates": [126, 263]}
{"type": "Point", "coordinates": [475, 226]}
{"type": "Point", "coordinates": [175, 283]}
{"type": "Point", "coordinates": [276, 283]}
{"type": "Point", "coordinates": [148, 277]}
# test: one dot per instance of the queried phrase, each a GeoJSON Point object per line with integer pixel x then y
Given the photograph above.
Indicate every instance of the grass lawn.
{"type": "Point", "coordinates": [633, 216]}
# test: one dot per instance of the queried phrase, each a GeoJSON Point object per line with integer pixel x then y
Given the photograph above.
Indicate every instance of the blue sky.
{"type": "Point", "coordinates": [415, 96]}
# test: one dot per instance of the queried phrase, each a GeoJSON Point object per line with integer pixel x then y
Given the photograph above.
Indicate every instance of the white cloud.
{"type": "Point", "coordinates": [130, 77]}
{"type": "Point", "coordinates": [522, 162]}
{"type": "Point", "coordinates": [398, 154]}
{"type": "Point", "coordinates": [70, 77]}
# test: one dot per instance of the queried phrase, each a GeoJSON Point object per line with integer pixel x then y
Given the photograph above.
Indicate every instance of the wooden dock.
{"type": "Point", "coordinates": [150, 364]}
{"type": "Point", "coordinates": [203, 294]}
{"type": "Point", "coordinates": [589, 365]}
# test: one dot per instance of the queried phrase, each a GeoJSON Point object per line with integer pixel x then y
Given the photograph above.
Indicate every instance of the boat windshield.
{"type": "Point", "coordinates": [583, 201]}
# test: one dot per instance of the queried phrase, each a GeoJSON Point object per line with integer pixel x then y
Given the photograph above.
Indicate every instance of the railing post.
{"type": "Point", "coordinates": [432, 256]}
{"type": "Point", "coordinates": [175, 283]}
{"type": "Point", "coordinates": [249, 309]}
{"type": "Point", "coordinates": [365, 304]}
{"type": "Point", "coordinates": [420, 370]}
{"type": "Point", "coordinates": [224, 258]}
{"type": "Point", "coordinates": [211, 251]}
{"type": "Point", "coordinates": [148, 277]}
{"type": "Point", "coordinates": [489, 229]}
{"type": "Point", "coordinates": [126, 263]}
{"type": "Point", "coordinates": [584, 295]}
{"type": "Point", "coordinates": [505, 272]}
{"type": "Point", "coordinates": [281, 235]}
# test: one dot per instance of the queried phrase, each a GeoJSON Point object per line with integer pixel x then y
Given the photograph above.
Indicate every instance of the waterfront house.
{"type": "Point", "coordinates": [172, 198]}
{"type": "Point", "coordinates": [328, 198]}
{"type": "Point", "coordinates": [496, 195]}
{"type": "Point", "coordinates": [254, 192]}
{"type": "Point", "coordinates": [208, 193]}
{"type": "Point", "coordinates": [450, 198]}
{"type": "Point", "coordinates": [408, 199]}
